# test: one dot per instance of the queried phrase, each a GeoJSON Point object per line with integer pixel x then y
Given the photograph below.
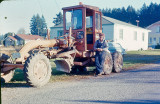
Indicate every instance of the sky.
{"type": "Point", "coordinates": [20, 12]}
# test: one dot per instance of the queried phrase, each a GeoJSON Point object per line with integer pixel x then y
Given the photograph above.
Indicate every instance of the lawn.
{"type": "Point", "coordinates": [132, 60]}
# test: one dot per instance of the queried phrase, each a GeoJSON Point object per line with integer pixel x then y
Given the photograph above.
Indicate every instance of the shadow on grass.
{"type": "Point", "coordinates": [14, 85]}
{"type": "Point", "coordinates": [56, 72]}
{"type": "Point", "coordinates": [17, 80]}
{"type": "Point", "coordinates": [140, 58]}
{"type": "Point", "coordinates": [18, 75]}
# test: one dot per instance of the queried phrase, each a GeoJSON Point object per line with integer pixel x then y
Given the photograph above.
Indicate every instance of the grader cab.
{"type": "Point", "coordinates": [74, 50]}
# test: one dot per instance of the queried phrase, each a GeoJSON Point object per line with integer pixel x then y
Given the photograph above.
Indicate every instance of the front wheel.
{"type": "Point", "coordinates": [37, 70]}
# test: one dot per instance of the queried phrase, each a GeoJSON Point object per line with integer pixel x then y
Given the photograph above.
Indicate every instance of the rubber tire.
{"type": "Point", "coordinates": [108, 64]}
{"type": "Point", "coordinates": [117, 62]}
{"type": "Point", "coordinates": [7, 76]}
{"type": "Point", "coordinates": [29, 69]}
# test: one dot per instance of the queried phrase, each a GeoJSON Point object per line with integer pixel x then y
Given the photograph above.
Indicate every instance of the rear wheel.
{"type": "Point", "coordinates": [117, 62]}
{"type": "Point", "coordinates": [108, 63]}
{"type": "Point", "coordinates": [37, 70]}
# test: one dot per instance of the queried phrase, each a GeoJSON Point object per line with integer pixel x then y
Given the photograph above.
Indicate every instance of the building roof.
{"type": "Point", "coordinates": [29, 37]}
{"type": "Point", "coordinates": [156, 23]}
{"type": "Point", "coordinates": [108, 20]}
{"type": "Point", "coordinates": [60, 25]}
{"type": "Point", "coordinates": [13, 38]}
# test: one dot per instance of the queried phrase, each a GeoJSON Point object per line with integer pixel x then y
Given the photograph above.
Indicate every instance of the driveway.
{"type": "Point", "coordinates": [138, 86]}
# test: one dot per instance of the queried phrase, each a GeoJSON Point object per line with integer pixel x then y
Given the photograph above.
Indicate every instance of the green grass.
{"type": "Point", "coordinates": [140, 58]}
{"type": "Point", "coordinates": [133, 59]}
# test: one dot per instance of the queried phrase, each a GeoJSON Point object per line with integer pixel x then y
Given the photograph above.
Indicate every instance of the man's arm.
{"type": "Point", "coordinates": [105, 48]}
{"type": "Point", "coordinates": [95, 46]}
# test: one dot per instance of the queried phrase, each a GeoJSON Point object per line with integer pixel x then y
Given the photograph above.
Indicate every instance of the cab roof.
{"type": "Point", "coordinates": [81, 6]}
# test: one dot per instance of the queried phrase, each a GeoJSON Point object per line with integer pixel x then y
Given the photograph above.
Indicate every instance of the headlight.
{"type": "Point", "coordinates": [80, 35]}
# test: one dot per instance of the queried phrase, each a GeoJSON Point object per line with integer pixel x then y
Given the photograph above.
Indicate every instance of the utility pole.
{"type": "Point", "coordinates": [137, 22]}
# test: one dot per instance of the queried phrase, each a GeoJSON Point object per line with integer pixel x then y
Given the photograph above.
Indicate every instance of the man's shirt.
{"type": "Point", "coordinates": [104, 48]}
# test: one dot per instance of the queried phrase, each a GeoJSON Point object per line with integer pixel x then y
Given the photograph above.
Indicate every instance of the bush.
{"type": "Point", "coordinates": [157, 46]}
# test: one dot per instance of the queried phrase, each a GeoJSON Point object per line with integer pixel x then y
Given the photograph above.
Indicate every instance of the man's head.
{"type": "Point", "coordinates": [101, 36]}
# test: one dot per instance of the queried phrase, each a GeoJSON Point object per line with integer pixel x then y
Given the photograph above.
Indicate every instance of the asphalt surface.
{"type": "Point", "coordinates": [138, 86]}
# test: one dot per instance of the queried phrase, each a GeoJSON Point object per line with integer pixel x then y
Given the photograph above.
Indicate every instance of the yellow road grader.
{"type": "Point", "coordinates": [71, 51]}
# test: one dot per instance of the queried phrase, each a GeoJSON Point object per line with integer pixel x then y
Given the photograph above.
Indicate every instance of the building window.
{"type": "Point", "coordinates": [143, 36]}
{"type": "Point", "coordinates": [135, 35]}
{"type": "Point", "coordinates": [154, 39]}
{"type": "Point", "coordinates": [59, 33]}
{"type": "Point", "coordinates": [150, 40]}
{"type": "Point", "coordinates": [159, 40]}
{"type": "Point", "coordinates": [121, 34]}
{"type": "Point", "coordinates": [158, 29]}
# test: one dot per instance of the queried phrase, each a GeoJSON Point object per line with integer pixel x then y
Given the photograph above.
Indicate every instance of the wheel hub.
{"type": "Point", "coordinates": [40, 70]}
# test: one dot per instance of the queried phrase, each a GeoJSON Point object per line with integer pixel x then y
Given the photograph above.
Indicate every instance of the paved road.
{"type": "Point", "coordinates": [139, 86]}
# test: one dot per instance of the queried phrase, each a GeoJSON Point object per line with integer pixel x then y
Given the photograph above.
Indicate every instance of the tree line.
{"type": "Point", "coordinates": [146, 15]}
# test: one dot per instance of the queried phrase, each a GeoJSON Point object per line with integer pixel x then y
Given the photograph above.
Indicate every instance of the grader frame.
{"type": "Point", "coordinates": [82, 25]}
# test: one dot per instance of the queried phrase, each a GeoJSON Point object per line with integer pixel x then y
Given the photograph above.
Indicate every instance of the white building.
{"type": "Point", "coordinates": [129, 36]}
{"type": "Point", "coordinates": [154, 35]}
{"type": "Point", "coordinates": [56, 31]}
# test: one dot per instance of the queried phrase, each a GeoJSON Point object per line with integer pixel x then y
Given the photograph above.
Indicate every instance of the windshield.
{"type": "Point", "coordinates": [74, 19]}
{"type": "Point", "coordinates": [98, 21]}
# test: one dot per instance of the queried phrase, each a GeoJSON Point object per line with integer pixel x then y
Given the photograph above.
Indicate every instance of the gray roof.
{"type": "Point", "coordinates": [108, 20]}
{"type": "Point", "coordinates": [156, 23]}
{"type": "Point", "coordinates": [60, 25]}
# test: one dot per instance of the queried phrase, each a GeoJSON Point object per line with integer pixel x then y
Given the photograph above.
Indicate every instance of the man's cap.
{"type": "Point", "coordinates": [101, 34]}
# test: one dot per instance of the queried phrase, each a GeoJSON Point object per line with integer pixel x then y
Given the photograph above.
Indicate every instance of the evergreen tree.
{"type": "Point", "coordinates": [8, 34]}
{"type": "Point", "coordinates": [1, 39]}
{"type": "Point", "coordinates": [44, 27]}
{"type": "Point", "coordinates": [38, 26]}
{"type": "Point", "coordinates": [21, 31]}
{"type": "Point", "coordinates": [146, 15]}
{"type": "Point", "coordinates": [59, 19]}
{"type": "Point", "coordinates": [131, 15]}
{"type": "Point", "coordinates": [143, 15]}
{"type": "Point", "coordinates": [33, 25]}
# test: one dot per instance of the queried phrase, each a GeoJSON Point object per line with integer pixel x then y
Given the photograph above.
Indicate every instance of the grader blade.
{"type": "Point", "coordinates": [63, 65]}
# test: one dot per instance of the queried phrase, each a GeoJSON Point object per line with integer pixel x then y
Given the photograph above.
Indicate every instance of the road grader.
{"type": "Point", "coordinates": [71, 51]}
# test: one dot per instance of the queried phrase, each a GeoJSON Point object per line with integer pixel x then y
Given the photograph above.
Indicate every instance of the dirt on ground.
{"type": "Point", "coordinates": [9, 50]}
{"type": "Point", "coordinates": [138, 86]}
